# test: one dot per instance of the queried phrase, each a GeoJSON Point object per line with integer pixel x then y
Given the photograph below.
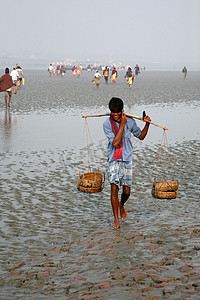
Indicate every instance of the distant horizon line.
{"type": "Point", "coordinates": [43, 63]}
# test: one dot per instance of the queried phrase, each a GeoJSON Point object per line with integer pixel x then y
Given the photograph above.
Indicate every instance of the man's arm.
{"type": "Point", "coordinates": [145, 129]}
{"type": "Point", "coordinates": [119, 134]}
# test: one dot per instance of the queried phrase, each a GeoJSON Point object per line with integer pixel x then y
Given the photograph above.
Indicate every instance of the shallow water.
{"type": "Point", "coordinates": [56, 242]}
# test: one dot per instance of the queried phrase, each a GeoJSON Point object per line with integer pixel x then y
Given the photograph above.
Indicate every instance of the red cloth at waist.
{"type": "Point", "coordinates": [119, 149]}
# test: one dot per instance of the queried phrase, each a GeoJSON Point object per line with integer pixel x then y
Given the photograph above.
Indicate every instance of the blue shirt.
{"type": "Point", "coordinates": [130, 127]}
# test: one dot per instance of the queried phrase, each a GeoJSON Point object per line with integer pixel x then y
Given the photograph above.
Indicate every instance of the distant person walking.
{"type": "Point", "coordinates": [62, 71]}
{"type": "Point", "coordinates": [79, 70]}
{"type": "Point", "coordinates": [58, 70]}
{"type": "Point", "coordinates": [74, 70]}
{"type": "Point", "coordinates": [127, 72]}
{"type": "Point", "coordinates": [129, 77]}
{"type": "Point", "coordinates": [184, 71]}
{"type": "Point", "coordinates": [114, 75]}
{"type": "Point", "coordinates": [20, 75]}
{"type": "Point", "coordinates": [97, 77]}
{"type": "Point", "coordinates": [50, 69]}
{"type": "Point", "coordinates": [6, 84]}
{"type": "Point", "coordinates": [106, 74]}
{"type": "Point", "coordinates": [137, 70]}
{"type": "Point", "coordinates": [15, 76]}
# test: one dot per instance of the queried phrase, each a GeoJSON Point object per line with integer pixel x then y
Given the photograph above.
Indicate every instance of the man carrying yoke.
{"type": "Point", "coordinates": [118, 129]}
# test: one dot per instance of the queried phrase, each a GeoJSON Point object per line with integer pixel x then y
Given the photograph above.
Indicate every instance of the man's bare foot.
{"type": "Point", "coordinates": [123, 213]}
{"type": "Point", "coordinates": [116, 226]}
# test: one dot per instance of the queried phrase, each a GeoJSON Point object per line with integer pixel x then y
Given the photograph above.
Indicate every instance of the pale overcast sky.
{"type": "Point", "coordinates": [145, 31]}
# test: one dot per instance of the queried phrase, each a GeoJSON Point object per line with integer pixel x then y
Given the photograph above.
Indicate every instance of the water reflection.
{"type": "Point", "coordinates": [53, 130]}
{"type": "Point", "coordinates": [7, 125]}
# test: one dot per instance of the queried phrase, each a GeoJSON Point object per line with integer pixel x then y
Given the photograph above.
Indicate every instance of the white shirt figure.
{"type": "Point", "coordinates": [97, 75]}
{"type": "Point", "coordinates": [14, 75]}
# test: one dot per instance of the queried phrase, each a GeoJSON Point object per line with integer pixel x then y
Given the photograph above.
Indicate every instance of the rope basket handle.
{"type": "Point", "coordinates": [103, 181]}
{"type": "Point", "coordinates": [164, 143]}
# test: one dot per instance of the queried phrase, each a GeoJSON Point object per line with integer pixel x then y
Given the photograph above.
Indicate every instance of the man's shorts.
{"type": "Point", "coordinates": [8, 92]}
{"type": "Point", "coordinates": [120, 173]}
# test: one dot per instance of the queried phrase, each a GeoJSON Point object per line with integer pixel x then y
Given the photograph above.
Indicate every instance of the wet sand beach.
{"type": "Point", "coordinates": [56, 242]}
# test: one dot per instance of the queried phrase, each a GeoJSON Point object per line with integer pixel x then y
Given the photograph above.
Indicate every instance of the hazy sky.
{"type": "Point", "coordinates": [144, 31]}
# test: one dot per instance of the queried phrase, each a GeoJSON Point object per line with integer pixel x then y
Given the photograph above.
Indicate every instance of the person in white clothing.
{"type": "Point", "coordinates": [20, 75]}
{"type": "Point", "coordinates": [97, 77]}
{"type": "Point", "coordinates": [14, 74]}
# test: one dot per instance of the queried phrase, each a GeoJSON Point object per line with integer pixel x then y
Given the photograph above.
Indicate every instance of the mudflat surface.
{"type": "Point", "coordinates": [55, 241]}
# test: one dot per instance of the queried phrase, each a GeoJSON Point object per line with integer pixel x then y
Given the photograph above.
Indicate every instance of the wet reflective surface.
{"type": "Point", "coordinates": [55, 241]}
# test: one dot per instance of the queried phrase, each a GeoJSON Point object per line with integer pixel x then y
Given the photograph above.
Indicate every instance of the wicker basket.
{"type": "Point", "coordinates": [92, 182]}
{"type": "Point", "coordinates": [165, 195]}
{"type": "Point", "coordinates": [165, 189]}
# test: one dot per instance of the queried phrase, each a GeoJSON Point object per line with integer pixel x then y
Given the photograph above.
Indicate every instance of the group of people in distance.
{"type": "Point", "coordinates": [130, 76]}
{"type": "Point", "coordinates": [59, 70]}
{"type": "Point", "coordinates": [77, 70]}
{"type": "Point", "coordinates": [12, 81]}
{"type": "Point", "coordinates": [106, 70]}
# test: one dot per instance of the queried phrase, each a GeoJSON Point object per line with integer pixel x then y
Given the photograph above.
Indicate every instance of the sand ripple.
{"type": "Point", "coordinates": [56, 240]}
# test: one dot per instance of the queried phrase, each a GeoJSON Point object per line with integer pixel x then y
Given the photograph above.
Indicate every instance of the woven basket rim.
{"type": "Point", "coordinates": [164, 195]}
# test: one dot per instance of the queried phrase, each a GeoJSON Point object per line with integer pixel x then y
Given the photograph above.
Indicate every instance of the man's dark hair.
{"type": "Point", "coordinates": [116, 105]}
{"type": "Point", "coordinates": [7, 70]}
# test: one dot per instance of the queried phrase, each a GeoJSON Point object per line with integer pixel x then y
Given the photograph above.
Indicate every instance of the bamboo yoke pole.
{"type": "Point", "coordinates": [128, 115]}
